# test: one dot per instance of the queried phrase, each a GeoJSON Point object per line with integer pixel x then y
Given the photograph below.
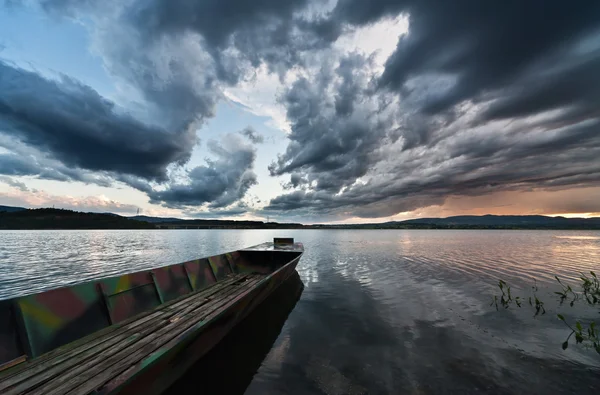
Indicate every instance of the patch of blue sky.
{"type": "Point", "coordinates": [51, 46]}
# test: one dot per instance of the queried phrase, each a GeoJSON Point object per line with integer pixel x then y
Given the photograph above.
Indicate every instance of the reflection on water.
{"type": "Point", "coordinates": [382, 312]}
{"type": "Point", "coordinates": [229, 367]}
{"type": "Point", "coordinates": [579, 237]}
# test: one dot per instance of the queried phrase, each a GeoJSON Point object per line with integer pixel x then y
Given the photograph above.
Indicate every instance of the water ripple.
{"type": "Point", "coordinates": [382, 311]}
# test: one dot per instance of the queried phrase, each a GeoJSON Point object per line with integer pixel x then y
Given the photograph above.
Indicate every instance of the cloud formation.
{"type": "Point", "coordinates": [220, 183]}
{"type": "Point", "coordinates": [253, 135]}
{"type": "Point", "coordinates": [14, 183]}
{"type": "Point", "coordinates": [478, 98]}
{"type": "Point", "coordinates": [490, 97]}
{"type": "Point", "coordinates": [484, 47]}
{"type": "Point", "coordinates": [89, 139]}
{"type": "Point", "coordinates": [338, 124]}
{"type": "Point", "coordinates": [24, 160]}
{"type": "Point", "coordinates": [176, 57]}
{"type": "Point", "coordinates": [84, 130]}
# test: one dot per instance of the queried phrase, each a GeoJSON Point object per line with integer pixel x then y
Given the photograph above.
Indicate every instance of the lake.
{"type": "Point", "coordinates": [381, 311]}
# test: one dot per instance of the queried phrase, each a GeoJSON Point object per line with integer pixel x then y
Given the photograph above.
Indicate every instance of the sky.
{"type": "Point", "coordinates": [308, 111]}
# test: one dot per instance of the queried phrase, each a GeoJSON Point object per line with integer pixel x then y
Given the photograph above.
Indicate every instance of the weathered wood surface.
{"type": "Point", "coordinates": [83, 366]}
{"type": "Point", "coordinates": [97, 341]}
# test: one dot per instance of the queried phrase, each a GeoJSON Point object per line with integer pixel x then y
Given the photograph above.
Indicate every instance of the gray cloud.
{"type": "Point", "coordinates": [334, 138]}
{"type": "Point", "coordinates": [14, 183]}
{"type": "Point", "coordinates": [219, 183]}
{"type": "Point", "coordinates": [253, 135]}
{"type": "Point", "coordinates": [258, 29]}
{"type": "Point", "coordinates": [14, 165]}
{"type": "Point", "coordinates": [27, 161]}
{"type": "Point", "coordinates": [471, 163]}
{"type": "Point", "coordinates": [82, 129]}
{"type": "Point", "coordinates": [233, 211]}
{"type": "Point", "coordinates": [226, 39]}
{"type": "Point", "coordinates": [483, 45]}
{"type": "Point", "coordinates": [573, 87]}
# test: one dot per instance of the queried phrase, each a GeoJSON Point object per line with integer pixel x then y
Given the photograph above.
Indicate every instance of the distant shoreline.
{"type": "Point", "coordinates": [302, 228]}
{"type": "Point", "coordinates": [57, 219]}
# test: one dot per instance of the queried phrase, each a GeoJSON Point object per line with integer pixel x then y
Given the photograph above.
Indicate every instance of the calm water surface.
{"type": "Point", "coordinates": [382, 312]}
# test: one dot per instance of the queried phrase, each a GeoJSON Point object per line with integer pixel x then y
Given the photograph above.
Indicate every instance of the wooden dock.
{"type": "Point", "coordinates": [103, 361]}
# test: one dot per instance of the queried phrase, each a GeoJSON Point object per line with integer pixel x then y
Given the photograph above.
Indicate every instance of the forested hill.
{"type": "Point", "coordinates": [49, 218]}
{"type": "Point", "coordinates": [508, 221]}
{"type": "Point", "coordinates": [480, 222]}
{"type": "Point", "coordinates": [11, 208]}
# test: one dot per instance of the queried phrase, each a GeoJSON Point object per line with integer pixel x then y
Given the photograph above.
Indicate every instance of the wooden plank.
{"type": "Point", "coordinates": [208, 317]}
{"type": "Point", "coordinates": [13, 362]}
{"type": "Point", "coordinates": [79, 354]}
{"type": "Point", "coordinates": [85, 344]}
{"type": "Point", "coordinates": [31, 375]}
{"type": "Point", "coordinates": [99, 374]}
{"type": "Point", "coordinates": [105, 374]}
{"type": "Point", "coordinates": [94, 340]}
{"type": "Point", "coordinates": [118, 354]}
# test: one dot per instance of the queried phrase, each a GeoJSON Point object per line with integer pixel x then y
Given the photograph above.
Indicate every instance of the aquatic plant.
{"type": "Point", "coordinates": [587, 334]}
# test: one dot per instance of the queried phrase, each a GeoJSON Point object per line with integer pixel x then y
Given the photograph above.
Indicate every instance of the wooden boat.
{"type": "Point", "coordinates": [136, 333]}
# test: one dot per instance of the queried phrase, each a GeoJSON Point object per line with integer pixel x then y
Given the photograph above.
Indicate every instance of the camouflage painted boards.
{"type": "Point", "coordinates": [136, 333]}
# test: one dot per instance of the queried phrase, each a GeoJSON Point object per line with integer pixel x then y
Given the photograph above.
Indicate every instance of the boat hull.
{"type": "Point", "coordinates": [158, 374]}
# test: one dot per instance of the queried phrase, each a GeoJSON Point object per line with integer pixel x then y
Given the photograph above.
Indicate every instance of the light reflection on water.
{"type": "Point", "coordinates": [382, 311]}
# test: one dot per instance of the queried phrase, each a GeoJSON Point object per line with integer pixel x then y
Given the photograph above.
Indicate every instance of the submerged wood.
{"type": "Point", "coordinates": [46, 350]}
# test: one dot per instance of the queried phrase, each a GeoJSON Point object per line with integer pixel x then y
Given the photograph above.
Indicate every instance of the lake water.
{"type": "Point", "coordinates": [381, 312]}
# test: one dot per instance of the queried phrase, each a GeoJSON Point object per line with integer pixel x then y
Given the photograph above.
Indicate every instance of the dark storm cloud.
{"type": "Point", "coordinates": [216, 20]}
{"type": "Point", "coordinates": [575, 86]}
{"type": "Point", "coordinates": [493, 96]}
{"type": "Point", "coordinates": [15, 165]}
{"type": "Point", "coordinates": [468, 165]}
{"type": "Point", "coordinates": [485, 45]}
{"type": "Point", "coordinates": [333, 139]}
{"type": "Point", "coordinates": [297, 180]}
{"type": "Point", "coordinates": [219, 183]}
{"type": "Point", "coordinates": [82, 129]}
{"type": "Point", "coordinates": [178, 53]}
